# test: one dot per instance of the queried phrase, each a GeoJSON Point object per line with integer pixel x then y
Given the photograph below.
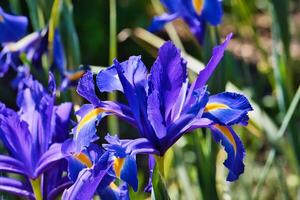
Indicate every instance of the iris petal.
{"type": "Point", "coordinates": [12, 28]}
{"type": "Point", "coordinates": [228, 108]}
{"type": "Point", "coordinates": [234, 148]}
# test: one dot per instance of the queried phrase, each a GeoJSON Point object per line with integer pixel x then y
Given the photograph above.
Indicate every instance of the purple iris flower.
{"type": "Point", "coordinates": [33, 137]}
{"type": "Point", "coordinates": [94, 170]}
{"type": "Point", "coordinates": [196, 13]}
{"type": "Point", "coordinates": [163, 106]}
{"type": "Point", "coordinates": [34, 46]}
{"type": "Point", "coordinates": [12, 27]}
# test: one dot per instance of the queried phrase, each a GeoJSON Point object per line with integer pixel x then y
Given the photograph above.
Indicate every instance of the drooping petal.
{"type": "Point", "coordinates": [126, 169]}
{"type": "Point", "coordinates": [16, 187]}
{"type": "Point", "coordinates": [12, 28]}
{"type": "Point", "coordinates": [88, 180]}
{"type": "Point", "coordinates": [85, 131]}
{"type": "Point", "coordinates": [228, 108]}
{"type": "Point", "coordinates": [10, 164]}
{"type": "Point", "coordinates": [234, 148]}
{"type": "Point", "coordinates": [212, 11]}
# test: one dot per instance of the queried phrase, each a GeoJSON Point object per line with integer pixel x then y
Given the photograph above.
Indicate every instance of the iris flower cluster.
{"type": "Point", "coordinates": [161, 104]}
{"type": "Point", "coordinates": [20, 49]}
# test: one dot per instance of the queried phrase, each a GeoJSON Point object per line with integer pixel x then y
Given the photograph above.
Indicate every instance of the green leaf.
{"type": "Point", "coordinates": [159, 190]}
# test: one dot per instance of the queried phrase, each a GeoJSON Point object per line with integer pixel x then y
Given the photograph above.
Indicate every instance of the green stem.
{"type": "Point", "coordinates": [160, 161]}
{"type": "Point", "coordinates": [112, 122]}
{"type": "Point", "coordinates": [36, 186]}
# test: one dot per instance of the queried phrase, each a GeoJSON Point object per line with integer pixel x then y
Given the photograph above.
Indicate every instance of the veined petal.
{"type": "Point", "coordinates": [168, 75]}
{"type": "Point", "coordinates": [16, 187]}
{"type": "Point", "coordinates": [133, 69]}
{"type": "Point", "coordinates": [16, 137]}
{"type": "Point", "coordinates": [212, 11]}
{"type": "Point", "coordinates": [12, 28]}
{"type": "Point", "coordinates": [10, 164]}
{"type": "Point", "coordinates": [61, 122]}
{"type": "Point", "coordinates": [228, 108]}
{"type": "Point", "coordinates": [85, 131]}
{"type": "Point", "coordinates": [86, 88]}
{"type": "Point", "coordinates": [51, 156]}
{"type": "Point", "coordinates": [88, 181]}
{"type": "Point", "coordinates": [234, 148]}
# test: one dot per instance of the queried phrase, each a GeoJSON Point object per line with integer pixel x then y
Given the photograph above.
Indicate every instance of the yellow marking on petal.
{"type": "Point", "coordinates": [118, 165]}
{"type": "Point", "coordinates": [88, 117]}
{"type": "Point", "coordinates": [198, 5]}
{"type": "Point", "coordinates": [214, 106]}
{"type": "Point", "coordinates": [1, 19]}
{"type": "Point", "coordinates": [84, 159]}
{"type": "Point", "coordinates": [227, 133]}
{"type": "Point", "coordinates": [75, 76]}
{"type": "Point", "coordinates": [113, 186]}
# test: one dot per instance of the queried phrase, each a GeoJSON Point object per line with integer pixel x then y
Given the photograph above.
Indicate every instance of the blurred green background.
{"type": "Point", "coordinates": [263, 61]}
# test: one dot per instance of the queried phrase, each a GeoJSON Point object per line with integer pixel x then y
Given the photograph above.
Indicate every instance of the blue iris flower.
{"type": "Point", "coordinates": [33, 46]}
{"type": "Point", "coordinates": [93, 171]}
{"type": "Point", "coordinates": [33, 137]}
{"type": "Point", "coordinates": [164, 106]}
{"type": "Point", "coordinates": [196, 13]}
{"type": "Point", "coordinates": [12, 27]}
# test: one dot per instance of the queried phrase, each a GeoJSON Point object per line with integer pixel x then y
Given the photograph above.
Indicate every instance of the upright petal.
{"type": "Point", "coordinates": [168, 74]}
{"type": "Point", "coordinates": [133, 69]}
{"type": "Point", "coordinates": [228, 108]}
{"type": "Point", "coordinates": [16, 137]}
{"type": "Point", "coordinates": [86, 88]}
{"type": "Point", "coordinates": [36, 107]}
{"type": "Point", "coordinates": [61, 122]}
{"type": "Point", "coordinates": [234, 148]}
{"type": "Point", "coordinates": [12, 28]}
{"type": "Point", "coordinates": [205, 74]}
{"type": "Point", "coordinates": [52, 155]}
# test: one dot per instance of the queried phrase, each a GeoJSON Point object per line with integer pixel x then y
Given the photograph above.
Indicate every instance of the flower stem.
{"type": "Point", "coordinates": [160, 161]}
{"type": "Point", "coordinates": [36, 186]}
{"type": "Point", "coordinates": [112, 122]}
